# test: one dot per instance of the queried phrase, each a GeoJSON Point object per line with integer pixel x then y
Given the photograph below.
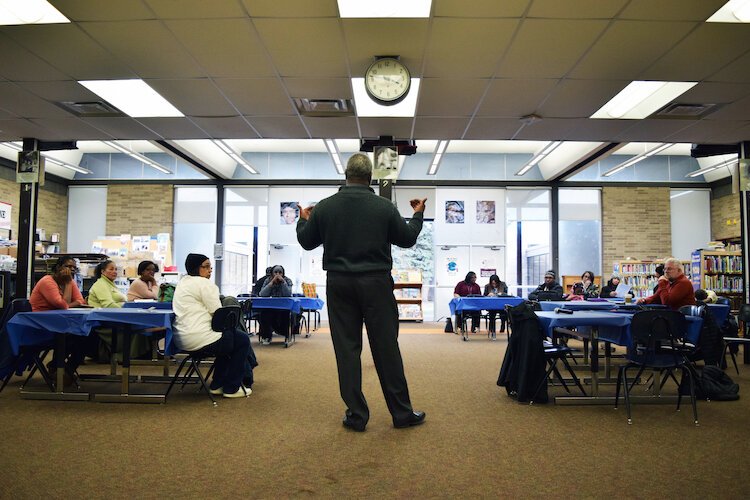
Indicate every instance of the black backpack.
{"type": "Point", "coordinates": [717, 385]}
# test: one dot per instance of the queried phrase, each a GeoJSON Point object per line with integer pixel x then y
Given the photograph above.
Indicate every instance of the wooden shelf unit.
{"type": "Point", "coordinates": [720, 271]}
{"type": "Point", "coordinates": [568, 281]}
{"type": "Point", "coordinates": [407, 288]}
{"type": "Point", "coordinates": [641, 275]}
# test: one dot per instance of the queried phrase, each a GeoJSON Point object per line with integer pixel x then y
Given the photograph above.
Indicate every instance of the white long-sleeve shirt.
{"type": "Point", "coordinates": [194, 303]}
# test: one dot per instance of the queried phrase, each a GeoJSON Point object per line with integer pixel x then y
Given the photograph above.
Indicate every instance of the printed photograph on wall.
{"type": "Point", "coordinates": [289, 212]}
{"type": "Point", "coordinates": [386, 163]}
{"type": "Point", "coordinates": [454, 212]}
{"type": "Point", "coordinates": [485, 212]}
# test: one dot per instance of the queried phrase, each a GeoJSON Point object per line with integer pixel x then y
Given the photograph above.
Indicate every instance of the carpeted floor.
{"type": "Point", "coordinates": [286, 439]}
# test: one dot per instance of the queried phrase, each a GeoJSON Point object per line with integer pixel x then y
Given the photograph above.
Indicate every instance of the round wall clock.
{"type": "Point", "coordinates": [387, 81]}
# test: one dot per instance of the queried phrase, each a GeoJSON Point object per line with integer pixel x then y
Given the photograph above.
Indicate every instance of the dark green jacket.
{"type": "Point", "coordinates": [356, 228]}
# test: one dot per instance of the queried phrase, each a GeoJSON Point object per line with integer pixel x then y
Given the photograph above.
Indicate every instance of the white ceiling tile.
{"type": "Point", "coordinates": [15, 99]}
{"type": "Point", "coordinates": [291, 8]}
{"type": "Point", "coordinates": [367, 38]}
{"type": "Point", "coordinates": [492, 128]}
{"type": "Point", "coordinates": [196, 9]}
{"type": "Point", "coordinates": [231, 127]}
{"type": "Point", "coordinates": [97, 10]}
{"type": "Point", "coordinates": [153, 53]}
{"type": "Point", "coordinates": [25, 65]}
{"type": "Point", "coordinates": [278, 127]}
{"type": "Point", "coordinates": [646, 41]}
{"type": "Point", "coordinates": [682, 10]}
{"type": "Point", "coordinates": [224, 48]}
{"type": "Point", "coordinates": [304, 47]}
{"type": "Point", "coordinates": [174, 127]}
{"type": "Point", "coordinates": [399, 128]}
{"type": "Point", "coordinates": [331, 127]}
{"type": "Point", "coordinates": [124, 128]}
{"type": "Point", "coordinates": [67, 129]}
{"type": "Point", "coordinates": [549, 48]}
{"type": "Point", "coordinates": [578, 98]}
{"type": "Point", "coordinates": [444, 97]}
{"type": "Point", "coordinates": [527, 95]}
{"type": "Point", "coordinates": [439, 128]}
{"type": "Point", "coordinates": [466, 48]}
{"type": "Point", "coordinates": [319, 88]}
{"type": "Point", "coordinates": [479, 8]}
{"type": "Point", "coordinates": [261, 96]}
{"type": "Point", "coordinates": [195, 97]}
{"type": "Point", "coordinates": [575, 9]}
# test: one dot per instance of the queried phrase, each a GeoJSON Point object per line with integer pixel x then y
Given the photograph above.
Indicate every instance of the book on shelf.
{"type": "Point", "coordinates": [409, 311]}
{"type": "Point", "coordinates": [407, 293]}
{"type": "Point", "coordinates": [407, 275]}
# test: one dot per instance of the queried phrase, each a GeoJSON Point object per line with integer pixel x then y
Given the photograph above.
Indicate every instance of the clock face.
{"type": "Point", "coordinates": [387, 81]}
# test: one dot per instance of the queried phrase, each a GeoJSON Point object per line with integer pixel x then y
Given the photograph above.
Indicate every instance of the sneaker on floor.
{"type": "Point", "coordinates": [242, 392]}
{"type": "Point", "coordinates": [216, 392]}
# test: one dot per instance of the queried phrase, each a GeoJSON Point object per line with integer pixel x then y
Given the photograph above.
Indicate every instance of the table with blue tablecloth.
{"type": "Point", "coordinates": [147, 304]}
{"type": "Point", "coordinates": [612, 327]}
{"type": "Point", "coordinates": [459, 305]}
{"type": "Point", "coordinates": [311, 305]}
{"type": "Point", "coordinates": [40, 328]}
{"type": "Point", "coordinates": [291, 304]}
{"type": "Point", "coordinates": [576, 305]}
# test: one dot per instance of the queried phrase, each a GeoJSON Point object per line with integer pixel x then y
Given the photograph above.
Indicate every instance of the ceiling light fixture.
{"type": "Point", "coordinates": [233, 155]}
{"type": "Point", "coordinates": [438, 156]}
{"type": "Point", "coordinates": [133, 97]}
{"type": "Point", "coordinates": [642, 98]}
{"type": "Point", "coordinates": [638, 158]}
{"type": "Point", "coordinates": [14, 12]}
{"type": "Point", "coordinates": [138, 156]}
{"type": "Point", "coordinates": [384, 8]}
{"type": "Point", "coordinates": [333, 150]}
{"type": "Point", "coordinates": [49, 159]}
{"type": "Point", "coordinates": [734, 11]}
{"type": "Point", "coordinates": [705, 170]}
{"type": "Point", "coordinates": [546, 150]}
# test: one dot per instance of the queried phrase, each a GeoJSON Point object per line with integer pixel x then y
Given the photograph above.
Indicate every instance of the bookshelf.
{"type": "Point", "coordinates": [407, 288]}
{"type": "Point", "coordinates": [641, 275]}
{"type": "Point", "coordinates": [568, 282]}
{"type": "Point", "coordinates": [720, 271]}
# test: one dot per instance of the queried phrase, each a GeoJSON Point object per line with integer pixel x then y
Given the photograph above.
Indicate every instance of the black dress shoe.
{"type": "Point", "coordinates": [354, 425]}
{"type": "Point", "coordinates": [416, 418]}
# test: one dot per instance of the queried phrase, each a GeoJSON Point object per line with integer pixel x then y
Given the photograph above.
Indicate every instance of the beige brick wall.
{"type": "Point", "coordinates": [52, 210]}
{"type": "Point", "coordinates": [725, 217]}
{"type": "Point", "coordinates": [635, 223]}
{"type": "Point", "coordinates": [140, 209]}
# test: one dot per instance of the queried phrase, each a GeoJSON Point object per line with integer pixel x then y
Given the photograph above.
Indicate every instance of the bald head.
{"type": "Point", "coordinates": [358, 169]}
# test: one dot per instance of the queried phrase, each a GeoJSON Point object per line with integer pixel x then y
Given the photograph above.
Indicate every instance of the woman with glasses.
{"type": "Point", "coordinates": [195, 301]}
{"type": "Point", "coordinates": [144, 287]}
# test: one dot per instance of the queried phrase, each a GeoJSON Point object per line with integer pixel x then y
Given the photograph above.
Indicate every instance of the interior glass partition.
{"type": "Point", "coordinates": [245, 238]}
{"type": "Point", "coordinates": [580, 231]}
{"type": "Point", "coordinates": [527, 238]}
{"type": "Point", "coordinates": [194, 222]}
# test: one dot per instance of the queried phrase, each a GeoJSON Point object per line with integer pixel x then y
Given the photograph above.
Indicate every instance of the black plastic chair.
{"type": "Point", "coordinates": [224, 320]}
{"type": "Point", "coordinates": [731, 344]}
{"type": "Point", "coordinates": [29, 357]}
{"type": "Point", "coordinates": [657, 343]}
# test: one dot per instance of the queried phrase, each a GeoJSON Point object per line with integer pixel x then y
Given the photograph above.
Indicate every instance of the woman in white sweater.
{"type": "Point", "coordinates": [195, 300]}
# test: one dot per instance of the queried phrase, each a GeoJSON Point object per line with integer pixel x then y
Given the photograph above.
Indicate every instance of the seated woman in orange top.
{"type": "Point", "coordinates": [59, 291]}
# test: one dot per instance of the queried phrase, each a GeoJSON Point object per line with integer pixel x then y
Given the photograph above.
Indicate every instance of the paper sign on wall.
{"type": "Point", "coordinates": [5, 210]}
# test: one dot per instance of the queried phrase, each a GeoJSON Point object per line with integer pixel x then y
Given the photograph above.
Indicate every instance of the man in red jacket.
{"type": "Point", "coordinates": [673, 289]}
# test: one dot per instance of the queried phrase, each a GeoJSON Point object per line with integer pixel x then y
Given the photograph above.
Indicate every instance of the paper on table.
{"type": "Point", "coordinates": [622, 289]}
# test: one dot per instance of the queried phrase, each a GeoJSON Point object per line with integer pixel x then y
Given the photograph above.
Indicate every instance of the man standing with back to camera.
{"type": "Point", "coordinates": [356, 228]}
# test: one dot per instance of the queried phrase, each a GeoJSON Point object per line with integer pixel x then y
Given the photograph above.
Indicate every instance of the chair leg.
{"type": "Point", "coordinates": [619, 384]}
{"type": "Point", "coordinates": [692, 392]}
{"type": "Point", "coordinates": [573, 374]}
{"type": "Point", "coordinates": [204, 385]}
{"type": "Point", "coordinates": [559, 375]}
{"type": "Point", "coordinates": [637, 376]}
{"type": "Point", "coordinates": [541, 384]}
{"type": "Point", "coordinates": [734, 360]}
{"type": "Point", "coordinates": [176, 376]}
{"type": "Point", "coordinates": [627, 392]}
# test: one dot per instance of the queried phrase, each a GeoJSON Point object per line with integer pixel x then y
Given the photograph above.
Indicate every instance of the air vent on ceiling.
{"type": "Point", "coordinates": [685, 111]}
{"type": "Point", "coordinates": [324, 107]}
{"type": "Point", "coordinates": [93, 108]}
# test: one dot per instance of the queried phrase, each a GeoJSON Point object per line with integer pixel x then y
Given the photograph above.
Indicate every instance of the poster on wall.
{"type": "Point", "coordinates": [386, 163]}
{"type": "Point", "coordinates": [454, 212]}
{"type": "Point", "coordinates": [451, 266]}
{"type": "Point", "coordinates": [487, 272]}
{"type": "Point", "coordinates": [485, 212]}
{"type": "Point", "coordinates": [289, 212]}
{"type": "Point", "coordinates": [5, 209]}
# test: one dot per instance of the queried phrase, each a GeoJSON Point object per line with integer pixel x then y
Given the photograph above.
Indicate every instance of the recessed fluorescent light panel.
{"type": "Point", "coordinates": [641, 99]}
{"type": "Point", "coordinates": [637, 158]}
{"type": "Point", "coordinates": [233, 155]}
{"type": "Point", "coordinates": [384, 8]}
{"type": "Point", "coordinates": [133, 97]}
{"type": "Point", "coordinates": [367, 107]}
{"type": "Point", "coordinates": [734, 11]}
{"type": "Point", "coordinates": [14, 12]}
{"type": "Point", "coordinates": [539, 156]}
{"type": "Point", "coordinates": [437, 157]}
{"type": "Point", "coordinates": [333, 150]}
{"type": "Point", "coordinates": [705, 170]}
{"type": "Point", "coordinates": [137, 156]}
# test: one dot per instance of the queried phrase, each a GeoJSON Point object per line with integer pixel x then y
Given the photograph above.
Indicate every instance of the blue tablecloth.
{"type": "Point", "coordinates": [310, 303]}
{"type": "Point", "coordinates": [460, 304]}
{"type": "Point", "coordinates": [613, 327]}
{"type": "Point", "coordinates": [293, 304]}
{"type": "Point", "coordinates": [37, 328]}
{"type": "Point", "coordinates": [576, 305]}
{"type": "Point", "coordinates": [147, 305]}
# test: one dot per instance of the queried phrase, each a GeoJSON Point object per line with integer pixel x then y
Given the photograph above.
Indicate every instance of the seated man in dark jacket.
{"type": "Point", "coordinates": [276, 285]}
{"type": "Point", "coordinates": [549, 285]}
